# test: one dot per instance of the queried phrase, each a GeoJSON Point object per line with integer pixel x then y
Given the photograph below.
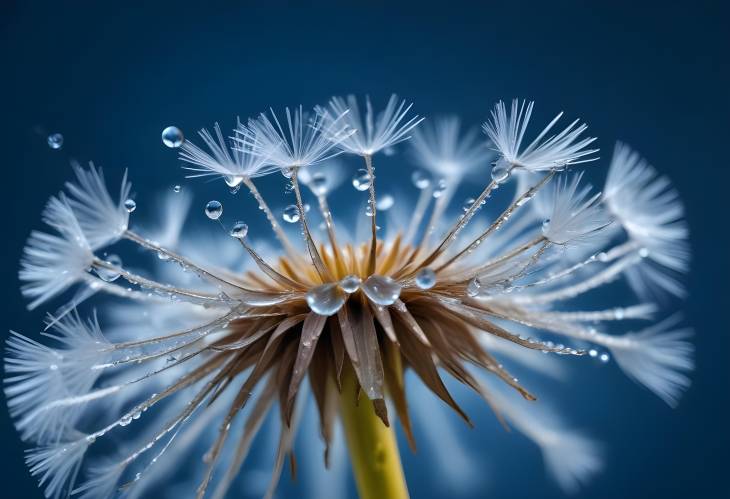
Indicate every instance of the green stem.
{"type": "Point", "coordinates": [373, 447]}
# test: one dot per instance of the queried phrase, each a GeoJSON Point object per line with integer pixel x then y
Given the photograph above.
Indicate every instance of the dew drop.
{"type": "Point", "coordinates": [501, 171]}
{"type": "Point", "coordinates": [593, 352]}
{"type": "Point", "coordinates": [468, 202]}
{"type": "Point", "coordinates": [130, 205]}
{"type": "Point", "coordinates": [239, 230]}
{"type": "Point", "coordinates": [291, 214]}
{"type": "Point", "coordinates": [55, 141]}
{"type": "Point", "coordinates": [644, 252]}
{"type": "Point", "coordinates": [439, 189]}
{"type": "Point", "coordinates": [326, 299]}
{"type": "Point", "coordinates": [420, 179]}
{"type": "Point", "coordinates": [233, 181]}
{"type": "Point", "coordinates": [362, 180]}
{"type": "Point", "coordinates": [474, 287]}
{"type": "Point", "coordinates": [545, 226]}
{"type": "Point", "coordinates": [381, 290]}
{"type": "Point", "coordinates": [369, 210]}
{"type": "Point", "coordinates": [318, 184]}
{"type": "Point", "coordinates": [213, 210]}
{"type": "Point", "coordinates": [604, 357]}
{"type": "Point", "coordinates": [385, 202]}
{"type": "Point", "coordinates": [172, 137]}
{"type": "Point", "coordinates": [176, 189]}
{"type": "Point", "coordinates": [110, 275]}
{"type": "Point", "coordinates": [425, 278]}
{"type": "Point", "coordinates": [350, 283]}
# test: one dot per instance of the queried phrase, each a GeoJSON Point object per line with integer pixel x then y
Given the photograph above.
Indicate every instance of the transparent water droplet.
{"type": "Point", "coordinates": [545, 226]}
{"type": "Point", "coordinates": [318, 184]}
{"type": "Point", "coordinates": [172, 137]}
{"type": "Point", "coordinates": [326, 299]}
{"type": "Point", "coordinates": [468, 202]}
{"type": "Point", "coordinates": [425, 278]}
{"type": "Point", "coordinates": [644, 252]}
{"type": "Point", "coordinates": [176, 189]}
{"type": "Point", "coordinates": [593, 352]}
{"type": "Point", "coordinates": [213, 210]}
{"type": "Point", "coordinates": [361, 181]}
{"type": "Point", "coordinates": [130, 205]}
{"type": "Point", "coordinates": [381, 290]}
{"type": "Point", "coordinates": [291, 214]}
{"type": "Point", "coordinates": [110, 275]}
{"type": "Point", "coordinates": [55, 141]}
{"type": "Point", "coordinates": [239, 230]}
{"type": "Point", "coordinates": [604, 357]}
{"type": "Point", "coordinates": [420, 179]}
{"type": "Point", "coordinates": [350, 283]}
{"type": "Point", "coordinates": [439, 188]}
{"type": "Point", "coordinates": [369, 210]}
{"type": "Point", "coordinates": [385, 202]}
{"type": "Point", "coordinates": [233, 181]}
{"type": "Point", "coordinates": [501, 171]}
{"type": "Point", "coordinates": [474, 287]}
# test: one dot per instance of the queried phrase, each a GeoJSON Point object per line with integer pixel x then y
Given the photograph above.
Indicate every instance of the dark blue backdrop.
{"type": "Point", "coordinates": [656, 76]}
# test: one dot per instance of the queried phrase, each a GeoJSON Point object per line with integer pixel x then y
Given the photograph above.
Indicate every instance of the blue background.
{"type": "Point", "coordinates": [656, 76]}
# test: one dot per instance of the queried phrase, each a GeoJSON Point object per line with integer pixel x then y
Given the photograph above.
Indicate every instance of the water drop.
{"type": "Point", "coordinates": [176, 189]}
{"type": "Point", "coordinates": [644, 252]}
{"type": "Point", "coordinates": [545, 226]}
{"type": "Point", "coordinates": [213, 210]}
{"type": "Point", "coordinates": [369, 210]}
{"type": "Point", "coordinates": [468, 202]}
{"type": "Point", "coordinates": [420, 179]}
{"type": "Point", "coordinates": [239, 230]}
{"type": "Point", "coordinates": [501, 171]}
{"type": "Point", "coordinates": [130, 205]}
{"type": "Point", "coordinates": [233, 181]}
{"type": "Point", "coordinates": [425, 278]}
{"type": "Point", "coordinates": [291, 214]}
{"type": "Point", "coordinates": [172, 137]}
{"type": "Point", "coordinates": [350, 283]}
{"type": "Point", "coordinates": [381, 290]}
{"type": "Point", "coordinates": [604, 357]}
{"type": "Point", "coordinates": [439, 188]}
{"type": "Point", "coordinates": [474, 287]}
{"type": "Point", "coordinates": [318, 184]}
{"type": "Point", "coordinates": [385, 202]}
{"type": "Point", "coordinates": [326, 299]}
{"type": "Point", "coordinates": [110, 275]}
{"type": "Point", "coordinates": [362, 180]}
{"type": "Point", "coordinates": [55, 141]}
{"type": "Point", "coordinates": [593, 352]}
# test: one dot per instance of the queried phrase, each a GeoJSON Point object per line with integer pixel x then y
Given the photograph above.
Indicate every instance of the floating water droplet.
{"type": "Point", "coordinates": [420, 179]}
{"type": "Point", "coordinates": [130, 205]}
{"type": "Point", "coordinates": [213, 210]}
{"type": "Point", "coordinates": [362, 180]}
{"type": "Point", "coordinates": [425, 278]}
{"type": "Point", "coordinates": [318, 184]}
{"type": "Point", "coordinates": [291, 214]}
{"type": "Point", "coordinates": [604, 357]}
{"type": "Point", "coordinates": [350, 283]}
{"type": "Point", "coordinates": [439, 188]}
{"type": "Point", "coordinates": [326, 299]}
{"type": "Point", "coordinates": [172, 137]}
{"type": "Point", "coordinates": [593, 352]}
{"type": "Point", "coordinates": [110, 275]}
{"type": "Point", "coordinates": [385, 202]}
{"type": "Point", "coordinates": [381, 290]}
{"type": "Point", "coordinates": [501, 171]}
{"type": "Point", "coordinates": [176, 189]}
{"type": "Point", "coordinates": [239, 230]}
{"type": "Point", "coordinates": [55, 141]}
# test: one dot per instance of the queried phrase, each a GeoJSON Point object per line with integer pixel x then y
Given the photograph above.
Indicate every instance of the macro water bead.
{"type": "Point", "coordinates": [55, 141]}
{"type": "Point", "coordinates": [198, 364]}
{"type": "Point", "coordinates": [172, 137]}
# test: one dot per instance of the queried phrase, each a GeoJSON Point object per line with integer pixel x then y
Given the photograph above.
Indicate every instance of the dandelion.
{"type": "Point", "coordinates": [205, 351]}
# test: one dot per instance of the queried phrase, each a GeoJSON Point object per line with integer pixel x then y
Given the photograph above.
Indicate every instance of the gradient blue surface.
{"type": "Point", "coordinates": [111, 78]}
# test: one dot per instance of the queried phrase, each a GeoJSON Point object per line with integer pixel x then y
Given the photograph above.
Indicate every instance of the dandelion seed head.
{"type": "Point", "coordinates": [197, 352]}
